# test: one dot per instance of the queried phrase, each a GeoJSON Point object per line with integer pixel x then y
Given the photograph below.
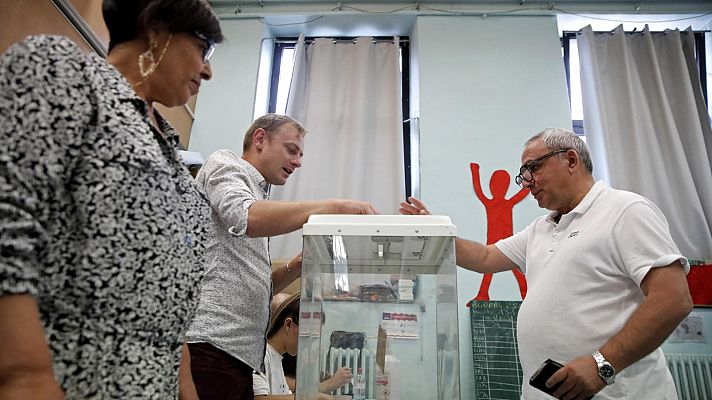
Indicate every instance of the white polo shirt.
{"type": "Point", "coordinates": [583, 284]}
{"type": "Point", "coordinates": [273, 380]}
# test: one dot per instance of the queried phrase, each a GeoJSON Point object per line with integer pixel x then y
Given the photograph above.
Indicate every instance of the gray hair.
{"type": "Point", "coordinates": [562, 139]}
{"type": "Point", "coordinates": [270, 123]}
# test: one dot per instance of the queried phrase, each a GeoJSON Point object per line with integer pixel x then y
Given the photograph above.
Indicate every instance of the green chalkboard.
{"type": "Point", "coordinates": [497, 372]}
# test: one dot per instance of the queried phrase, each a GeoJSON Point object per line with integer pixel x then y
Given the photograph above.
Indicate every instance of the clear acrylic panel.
{"type": "Point", "coordinates": [385, 305]}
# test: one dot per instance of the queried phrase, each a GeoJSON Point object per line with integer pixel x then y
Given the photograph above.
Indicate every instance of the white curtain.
{"type": "Point", "coordinates": [647, 126]}
{"type": "Point", "coordinates": [347, 94]}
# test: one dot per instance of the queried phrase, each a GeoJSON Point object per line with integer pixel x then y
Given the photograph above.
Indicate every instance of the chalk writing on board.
{"type": "Point", "coordinates": [497, 372]}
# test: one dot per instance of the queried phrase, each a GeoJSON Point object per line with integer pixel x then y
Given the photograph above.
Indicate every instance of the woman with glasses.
{"type": "Point", "coordinates": [101, 229]}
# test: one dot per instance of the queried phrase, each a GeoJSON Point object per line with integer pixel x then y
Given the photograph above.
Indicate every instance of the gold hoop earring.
{"type": "Point", "coordinates": [147, 56]}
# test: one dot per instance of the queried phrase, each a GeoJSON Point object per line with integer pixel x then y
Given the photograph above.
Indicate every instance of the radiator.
{"type": "Point", "coordinates": [351, 358]}
{"type": "Point", "coordinates": [692, 374]}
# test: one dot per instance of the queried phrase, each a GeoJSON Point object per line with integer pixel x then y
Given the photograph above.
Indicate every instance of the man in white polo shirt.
{"type": "Point", "coordinates": [606, 283]}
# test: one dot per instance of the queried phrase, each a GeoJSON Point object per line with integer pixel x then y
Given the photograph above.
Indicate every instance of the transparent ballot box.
{"type": "Point", "coordinates": [379, 296]}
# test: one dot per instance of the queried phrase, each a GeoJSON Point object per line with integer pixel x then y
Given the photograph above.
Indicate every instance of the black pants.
{"type": "Point", "coordinates": [218, 375]}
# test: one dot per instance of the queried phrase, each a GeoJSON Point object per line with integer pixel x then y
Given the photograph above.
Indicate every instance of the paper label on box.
{"type": "Point", "coordinates": [383, 390]}
{"type": "Point", "coordinates": [400, 325]}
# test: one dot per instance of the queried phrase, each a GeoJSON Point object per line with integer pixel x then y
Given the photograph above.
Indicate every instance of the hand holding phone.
{"type": "Point", "coordinates": [542, 374]}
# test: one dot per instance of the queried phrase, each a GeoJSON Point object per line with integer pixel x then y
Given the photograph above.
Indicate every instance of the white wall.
{"type": "Point", "coordinates": [486, 85]}
{"type": "Point", "coordinates": [223, 111]}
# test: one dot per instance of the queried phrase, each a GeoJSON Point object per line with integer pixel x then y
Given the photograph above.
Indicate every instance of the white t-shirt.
{"type": "Point", "coordinates": [583, 284]}
{"type": "Point", "coordinates": [273, 380]}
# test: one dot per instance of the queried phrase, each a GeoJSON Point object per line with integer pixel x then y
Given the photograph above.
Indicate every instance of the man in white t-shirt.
{"type": "Point", "coordinates": [606, 283]}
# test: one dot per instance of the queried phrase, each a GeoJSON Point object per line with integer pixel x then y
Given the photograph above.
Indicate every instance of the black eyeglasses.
{"type": "Point", "coordinates": [209, 46]}
{"type": "Point", "coordinates": [526, 171]}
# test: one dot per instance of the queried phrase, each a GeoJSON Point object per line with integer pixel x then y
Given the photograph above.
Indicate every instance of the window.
{"type": "Point", "coordinates": [282, 68]}
{"type": "Point", "coordinates": [569, 49]}
{"type": "Point", "coordinates": [281, 77]}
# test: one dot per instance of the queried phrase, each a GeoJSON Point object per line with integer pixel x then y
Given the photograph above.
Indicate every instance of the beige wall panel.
{"type": "Point", "coordinates": [90, 10]}
{"type": "Point", "coordinates": [180, 119]}
{"type": "Point", "coordinates": [21, 18]}
{"type": "Point", "coordinates": [186, 112]}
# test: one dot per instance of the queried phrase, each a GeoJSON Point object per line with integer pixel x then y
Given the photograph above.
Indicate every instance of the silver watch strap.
{"type": "Point", "coordinates": [598, 357]}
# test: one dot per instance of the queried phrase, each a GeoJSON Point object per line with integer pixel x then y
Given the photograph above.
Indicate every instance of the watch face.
{"type": "Point", "coordinates": [607, 371]}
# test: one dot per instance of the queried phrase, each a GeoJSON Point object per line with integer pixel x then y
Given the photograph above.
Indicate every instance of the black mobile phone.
{"type": "Point", "coordinates": [542, 374]}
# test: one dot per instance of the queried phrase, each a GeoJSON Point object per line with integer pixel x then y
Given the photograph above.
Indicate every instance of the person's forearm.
{"type": "Point", "coordinates": [29, 384]}
{"type": "Point", "coordinates": [328, 385]}
{"type": "Point", "coordinates": [284, 275]}
{"type": "Point", "coordinates": [660, 313]}
{"type": "Point", "coordinates": [341, 377]}
{"type": "Point", "coordinates": [25, 361]}
{"type": "Point", "coordinates": [325, 386]}
{"type": "Point", "coordinates": [478, 257]}
{"type": "Point", "coordinates": [186, 386]}
{"type": "Point", "coordinates": [272, 218]}
{"type": "Point", "coordinates": [471, 255]}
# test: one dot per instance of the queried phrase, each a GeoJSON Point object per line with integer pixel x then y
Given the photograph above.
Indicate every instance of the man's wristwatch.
{"type": "Point", "coordinates": [605, 369]}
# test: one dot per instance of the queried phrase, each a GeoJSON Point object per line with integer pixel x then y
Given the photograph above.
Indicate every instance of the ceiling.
{"type": "Point", "coordinates": [391, 17]}
{"type": "Point", "coordinates": [655, 22]}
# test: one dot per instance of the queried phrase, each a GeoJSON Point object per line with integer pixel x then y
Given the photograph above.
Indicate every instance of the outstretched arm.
{"type": "Point", "coordinates": [519, 196]}
{"type": "Point", "coordinates": [272, 218]}
{"type": "Point", "coordinates": [476, 184]}
{"type": "Point", "coordinates": [471, 255]}
{"type": "Point", "coordinates": [231, 197]}
{"type": "Point", "coordinates": [481, 258]}
{"type": "Point", "coordinates": [341, 377]}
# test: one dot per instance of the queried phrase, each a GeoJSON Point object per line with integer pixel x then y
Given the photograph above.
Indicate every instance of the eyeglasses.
{"type": "Point", "coordinates": [526, 171]}
{"type": "Point", "coordinates": [209, 46]}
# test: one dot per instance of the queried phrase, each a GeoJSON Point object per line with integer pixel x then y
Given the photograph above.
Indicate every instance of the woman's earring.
{"type": "Point", "coordinates": [147, 57]}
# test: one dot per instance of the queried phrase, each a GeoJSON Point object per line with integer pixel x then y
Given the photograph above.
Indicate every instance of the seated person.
{"type": "Point", "coordinates": [289, 365]}
{"type": "Point", "coordinates": [277, 300]}
{"type": "Point", "coordinates": [282, 337]}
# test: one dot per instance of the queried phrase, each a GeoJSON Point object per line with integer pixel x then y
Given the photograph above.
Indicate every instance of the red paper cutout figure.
{"type": "Point", "coordinates": [700, 281]}
{"type": "Point", "coordinates": [499, 219]}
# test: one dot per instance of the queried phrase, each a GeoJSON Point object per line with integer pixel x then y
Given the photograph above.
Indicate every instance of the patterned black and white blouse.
{"type": "Point", "coordinates": [99, 221]}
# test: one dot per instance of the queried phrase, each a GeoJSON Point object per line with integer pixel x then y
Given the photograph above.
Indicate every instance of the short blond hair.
{"type": "Point", "coordinates": [270, 123]}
